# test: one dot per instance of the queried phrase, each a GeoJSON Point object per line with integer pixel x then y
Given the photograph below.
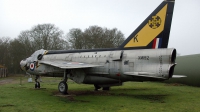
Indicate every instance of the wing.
{"type": "Point", "coordinates": [142, 74]}
{"type": "Point", "coordinates": [178, 76]}
{"type": "Point", "coordinates": [69, 65]}
{"type": "Point", "coordinates": [150, 75]}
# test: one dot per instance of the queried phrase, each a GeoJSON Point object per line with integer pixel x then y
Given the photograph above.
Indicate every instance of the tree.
{"type": "Point", "coordinates": [95, 37]}
{"type": "Point", "coordinates": [26, 42]}
{"type": "Point", "coordinates": [17, 53]}
{"type": "Point", "coordinates": [4, 51]}
{"type": "Point", "coordinates": [115, 37]}
{"type": "Point", "coordinates": [47, 36]}
{"type": "Point", "coordinates": [75, 38]}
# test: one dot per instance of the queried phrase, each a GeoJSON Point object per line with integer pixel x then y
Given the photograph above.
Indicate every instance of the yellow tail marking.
{"type": "Point", "coordinates": [152, 29]}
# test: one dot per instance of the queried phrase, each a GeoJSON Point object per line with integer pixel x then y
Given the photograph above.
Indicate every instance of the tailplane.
{"type": "Point", "coordinates": [154, 30]}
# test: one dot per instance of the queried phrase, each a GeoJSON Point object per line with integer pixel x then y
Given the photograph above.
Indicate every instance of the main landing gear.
{"type": "Point", "coordinates": [62, 86]}
{"type": "Point", "coordinates": [98, 87]}
{"type": "Point", "coordinates": [37, 83]}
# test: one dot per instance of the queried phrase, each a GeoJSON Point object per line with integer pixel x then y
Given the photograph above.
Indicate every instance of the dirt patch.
{"type": "Point", "coordinates": [79, 93]}
{"type": "Point", "coordinates": [72, 94]}
{"type": "Point", "coordinates": [5, 81]}
{"type": "Point", "coordinates": [174, 84]}
{"type": "Point", "coordinates": [99, 93]}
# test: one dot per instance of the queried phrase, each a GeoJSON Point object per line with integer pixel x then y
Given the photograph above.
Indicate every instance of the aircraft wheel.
{"type": "Point", "coordinates": [96, 87]}
{"type": "Point", "coordinates": [63, 87]}
{"type": "Point", "coordinates": [106, 88]}
{"type": "Point", "coordinates": [37, 85]}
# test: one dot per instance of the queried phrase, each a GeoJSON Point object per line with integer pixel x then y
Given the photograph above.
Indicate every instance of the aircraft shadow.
{"type": "Point", "coordinates": [131, 93]}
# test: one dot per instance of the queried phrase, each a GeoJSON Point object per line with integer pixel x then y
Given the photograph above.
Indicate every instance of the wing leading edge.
{"type": "Point", "coordinates": [69, 65]}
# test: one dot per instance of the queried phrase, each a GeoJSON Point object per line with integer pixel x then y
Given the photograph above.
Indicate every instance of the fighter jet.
{"type": "Point", "coordinates": [143, 56]}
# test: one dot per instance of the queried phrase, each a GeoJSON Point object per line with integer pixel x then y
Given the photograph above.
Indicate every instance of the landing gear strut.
{"type": "Point", "coordinates": [62, 86]}
{"type": "Point", "coordinates": [37, 83]}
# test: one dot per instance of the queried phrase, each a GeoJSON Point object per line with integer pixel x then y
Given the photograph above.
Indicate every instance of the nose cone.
{"type": "Point", "coordinates": [23, 64]}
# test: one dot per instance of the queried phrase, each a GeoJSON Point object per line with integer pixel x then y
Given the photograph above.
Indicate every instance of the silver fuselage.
{"type": "Point", "coordinates": [116, 66]}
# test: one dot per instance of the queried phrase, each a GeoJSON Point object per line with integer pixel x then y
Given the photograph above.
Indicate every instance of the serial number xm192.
{"type": "Point", "coordinates": [143, 57]}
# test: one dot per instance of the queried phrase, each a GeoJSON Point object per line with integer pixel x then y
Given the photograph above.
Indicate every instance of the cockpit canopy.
{"type": "Point", "coordinates": [37, 55]}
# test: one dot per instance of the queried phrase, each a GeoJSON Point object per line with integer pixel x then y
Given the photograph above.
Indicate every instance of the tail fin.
{"type": "Point", "coordinates": [154, 31]}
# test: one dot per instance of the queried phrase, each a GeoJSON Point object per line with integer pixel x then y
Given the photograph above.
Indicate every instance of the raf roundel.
{"type": "Point", "coordinates": [32, 66]}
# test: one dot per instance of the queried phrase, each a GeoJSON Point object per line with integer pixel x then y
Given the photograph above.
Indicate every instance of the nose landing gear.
{"type": "Point", "coordinates": [37, 83]}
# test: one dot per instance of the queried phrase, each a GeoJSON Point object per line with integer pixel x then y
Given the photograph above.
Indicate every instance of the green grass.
{"type": "Point", "coordinates": [132, 96]}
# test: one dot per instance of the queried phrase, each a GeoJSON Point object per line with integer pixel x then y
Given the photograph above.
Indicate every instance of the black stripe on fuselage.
{"type": "Point", "coordinates": [79, 50]}
{"type": "Point", "coordinates": [92, 50]}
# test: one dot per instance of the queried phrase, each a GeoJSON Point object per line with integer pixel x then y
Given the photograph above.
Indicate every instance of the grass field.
{"type": "Point", "coordinates": [131, 97]}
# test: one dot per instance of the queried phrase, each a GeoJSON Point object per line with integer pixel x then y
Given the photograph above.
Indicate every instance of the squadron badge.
{"type": "Point", "coordinates": [154, 22]}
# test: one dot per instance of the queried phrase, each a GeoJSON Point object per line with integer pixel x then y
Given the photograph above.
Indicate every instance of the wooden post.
{"type": "Point", "coordinates": [3, 72]}
{"type": "Point", "coordinates": [0, 72]}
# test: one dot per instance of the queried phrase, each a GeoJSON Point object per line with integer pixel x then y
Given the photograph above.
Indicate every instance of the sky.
{"type": "Point", "coordinates": [125, 15]}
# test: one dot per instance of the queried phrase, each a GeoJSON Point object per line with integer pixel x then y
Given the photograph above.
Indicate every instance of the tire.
{"type": "Point", "coordinates": [37, 85]}
{"type": "Point", "coordinates": [96, 87]}
{"type": "Point", "coordinates": [63, 87]}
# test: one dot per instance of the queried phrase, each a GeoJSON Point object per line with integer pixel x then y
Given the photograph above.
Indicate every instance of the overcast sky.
{"type": "Point", "coordinates": [125, 15]}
